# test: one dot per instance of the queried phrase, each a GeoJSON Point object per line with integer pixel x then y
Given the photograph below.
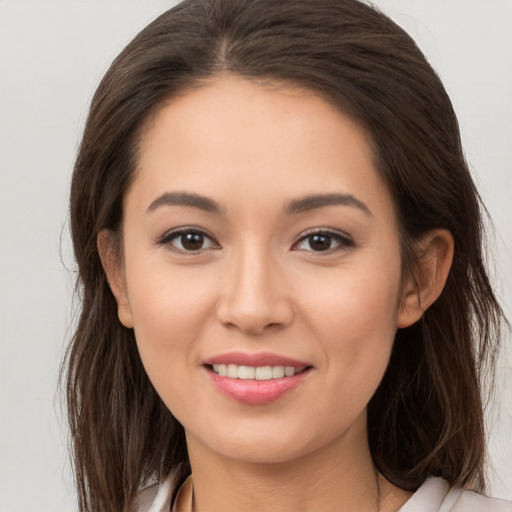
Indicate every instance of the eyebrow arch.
{"type": "Point", "coordinates": [320, 200]}
{"type": "Point", "coordinates": [185, 199]}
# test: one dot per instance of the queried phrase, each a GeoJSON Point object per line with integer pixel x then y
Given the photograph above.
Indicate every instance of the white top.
{"type": "Point", "coordinates": [434, 495]}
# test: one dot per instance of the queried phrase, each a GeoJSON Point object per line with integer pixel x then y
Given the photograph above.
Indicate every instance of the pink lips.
{"type": "Point", "coordinates": [261, 359]}
{"type": "Point", "coordinates": [255, 392]}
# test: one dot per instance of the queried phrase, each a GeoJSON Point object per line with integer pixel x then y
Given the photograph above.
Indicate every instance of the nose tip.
{"type": "Point", "coordinates": [252, 323]}
{"type": "Point", "coordinates": [255, 300]}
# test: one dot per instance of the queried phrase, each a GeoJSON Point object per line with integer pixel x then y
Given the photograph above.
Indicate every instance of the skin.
{"type": "Point", "coordinates": [257, 284]}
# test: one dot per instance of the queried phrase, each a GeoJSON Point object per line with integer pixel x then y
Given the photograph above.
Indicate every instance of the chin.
{"type": "Point", "coordinates": [257, 453]}
{"type": "Point", "coordinates": [267, 445]}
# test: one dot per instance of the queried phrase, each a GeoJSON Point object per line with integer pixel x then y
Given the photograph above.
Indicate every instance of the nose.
{"type": "Point", "coordinates": [254, 298]}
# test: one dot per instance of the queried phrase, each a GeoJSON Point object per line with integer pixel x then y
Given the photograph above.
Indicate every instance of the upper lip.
{"type": "Point", "coordinates": [260, 359]}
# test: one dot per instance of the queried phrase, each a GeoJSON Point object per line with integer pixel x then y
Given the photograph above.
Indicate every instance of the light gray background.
{"type": "Point", "coordinates": [53, 53]}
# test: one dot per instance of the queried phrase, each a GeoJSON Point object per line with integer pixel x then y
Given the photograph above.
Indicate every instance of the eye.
{"type": "Point", "coordinates": [188, 240]}
{"type": "Point", "coordinates": [323, 241]}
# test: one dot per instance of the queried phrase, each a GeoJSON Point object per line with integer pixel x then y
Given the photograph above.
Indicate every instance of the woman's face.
{"type": "Point", "coordinates": [261, 269]}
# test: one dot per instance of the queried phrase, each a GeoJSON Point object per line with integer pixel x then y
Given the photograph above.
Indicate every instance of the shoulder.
{"type": "Point", "coordinates": [469, 501]}
{"type": "Point", "coordinates": [155, 498]}
{"type": "Point", "coordinates": [435, 495]}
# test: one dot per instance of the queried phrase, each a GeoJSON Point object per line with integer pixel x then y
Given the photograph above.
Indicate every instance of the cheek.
{"type": "Point", "coordinates": [168, 309]}
{"type": "Point", "coordinates": [355, 318]}
{"type": "Point", "coordinates": [170, 312]}
{"type": "Point", "coordinates": [358, 299]}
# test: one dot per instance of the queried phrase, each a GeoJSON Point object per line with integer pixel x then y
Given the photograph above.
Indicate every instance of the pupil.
{"type": "Point", "coordinates": [320, 242]}
{"type": "Point", "coordinates": [192, 241]}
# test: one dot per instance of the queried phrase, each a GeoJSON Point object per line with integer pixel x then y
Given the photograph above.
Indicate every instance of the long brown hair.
{"type": "Point", "coordinates": [426, 417]}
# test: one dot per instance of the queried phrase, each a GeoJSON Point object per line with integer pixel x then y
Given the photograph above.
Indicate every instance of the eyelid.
{"type": "Point", "coordinates": [345, 240]}
{"type": "Point", "coordinates": [176, 232]}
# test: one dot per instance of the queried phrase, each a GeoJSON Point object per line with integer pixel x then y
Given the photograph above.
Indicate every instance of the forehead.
{"type": "Point", "coordinates": [229, 101]}
{"type": "Point", "coordinates": [234, 135]}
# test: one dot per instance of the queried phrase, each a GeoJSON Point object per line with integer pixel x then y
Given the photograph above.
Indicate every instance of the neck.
{"type": "Point", "coordinates": [338, 477]}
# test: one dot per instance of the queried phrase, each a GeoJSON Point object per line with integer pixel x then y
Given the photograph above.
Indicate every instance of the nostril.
{"type": "Point", "coordinates": [254, 313]}
{"type": "Point", "coordinates": [273, 326]}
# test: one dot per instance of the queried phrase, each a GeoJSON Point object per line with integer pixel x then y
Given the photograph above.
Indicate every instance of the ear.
{"type": "Point", "coordinates": [111, 260]}
{"type": "Point", "coordinates": [435, 255]}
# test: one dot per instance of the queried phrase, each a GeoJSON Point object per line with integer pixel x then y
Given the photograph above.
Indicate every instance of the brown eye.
{"type": "Point", "coordinates": [192, 241]}
{"type": "Point", "coordinates": [320, 242]}
{"type": "Point", "coordinates": [323, 241]}
{"type": "Point", "coordinates": [188, 240]}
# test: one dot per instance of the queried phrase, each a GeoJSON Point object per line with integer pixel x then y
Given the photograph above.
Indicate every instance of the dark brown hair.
{"type": "Point", "coordinates": [426, 417]}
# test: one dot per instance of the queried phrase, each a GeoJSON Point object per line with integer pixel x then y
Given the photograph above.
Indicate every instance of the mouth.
{"type": "Point", "coordinates": [255, 379]}
{"type": "Point", "coordinates": [242, 372]}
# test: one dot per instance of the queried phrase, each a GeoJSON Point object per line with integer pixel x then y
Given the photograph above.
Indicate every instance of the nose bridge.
{"type": "Point", "coordinates": [254, 297]}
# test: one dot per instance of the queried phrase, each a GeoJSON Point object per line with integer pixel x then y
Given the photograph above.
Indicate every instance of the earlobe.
{"type": "Point", "coordinates": [113, 267]}
{"type": "Point", "coordinates": [435, 255]}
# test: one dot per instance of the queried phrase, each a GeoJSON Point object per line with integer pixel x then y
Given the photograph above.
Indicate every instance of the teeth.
{"type": "Point", "coordinates": [263, 373]}
{"type": "Point", "coordinates": [232, 371]}
{"type": "Point", "coordinates": [289, 371]}
{"type": "Point", "coordinates": [278, 372]}
{"type": "Point", "coordinates": [246, 372]}
{"type": "Point", "coordinates": [259, 372]}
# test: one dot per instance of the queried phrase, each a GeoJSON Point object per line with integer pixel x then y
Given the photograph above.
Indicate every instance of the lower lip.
{"type": "Point", "coordinates": [256, 392]}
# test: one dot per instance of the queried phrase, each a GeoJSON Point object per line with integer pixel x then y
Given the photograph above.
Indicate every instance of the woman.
{"type": "Point", "coordinates": [285, 305]}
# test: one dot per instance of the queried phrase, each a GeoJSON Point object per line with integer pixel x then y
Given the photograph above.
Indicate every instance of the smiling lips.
{"type": "Point", "coordinates": [234, 371]}
{"type": "Point", "coordinates": [255, 379]}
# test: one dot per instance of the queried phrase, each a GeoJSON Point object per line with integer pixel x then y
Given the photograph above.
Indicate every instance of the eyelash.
{"type": "Point", "coordinates": [173, 235]}
{"type": "Point", "coordinates": [343, 241]}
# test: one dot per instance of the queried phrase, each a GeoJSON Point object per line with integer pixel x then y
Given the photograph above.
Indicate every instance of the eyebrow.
{"type": "Point", "coordinates": [185, 199]}
{"type": "Point", "coordinates": [320, 200]}
{"type": "Point", "coordinates": [303, 204]}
